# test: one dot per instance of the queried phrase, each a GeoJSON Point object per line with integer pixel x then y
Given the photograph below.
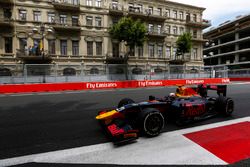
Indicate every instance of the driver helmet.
{"type": "Point", "coordinates": [172, 94]}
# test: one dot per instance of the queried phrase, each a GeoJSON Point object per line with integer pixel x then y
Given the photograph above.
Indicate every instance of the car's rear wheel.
{"type": "Point", "coordinates": [225, 105]}
{"type": "Point", "coordinates": [151, 122]}
{"type": "Point", "coordinates": [125, 101]}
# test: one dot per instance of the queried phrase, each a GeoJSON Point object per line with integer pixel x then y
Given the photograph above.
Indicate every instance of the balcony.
{"type": "Point", "coordinates": [116, 59]}
{"type": "Point", "coordinates": [156, 33]}
{"type": "Point", "coordinates": [66, 5]}
{"type": "Point", "coordinates": [6, 21]}
{"type": "Point", "coordinates": [155, 15]}
{"type": "Point", "coordinates": [116, 9]}
{"type": "Point", "coordinates": [66, 25]}
{"type": "Point", "coordinates": [204, 24]}
{"type": "Point", "coordinates": [180, 59]}
{"type": "Point", "coordinates": [36, 58]}
{"type": "Point", "coordinates": [9, 2]}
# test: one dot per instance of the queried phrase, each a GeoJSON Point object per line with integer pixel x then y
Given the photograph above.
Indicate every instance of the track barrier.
{"type": "Point", "coordinates": [79, 86]}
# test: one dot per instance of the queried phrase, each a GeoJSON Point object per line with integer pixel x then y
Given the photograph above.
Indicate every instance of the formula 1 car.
{"type": "Point", "coordinates": [187, 104]}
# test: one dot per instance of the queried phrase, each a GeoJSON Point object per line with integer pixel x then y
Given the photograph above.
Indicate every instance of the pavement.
{"type": "Point", "coordinates": [60, 130]}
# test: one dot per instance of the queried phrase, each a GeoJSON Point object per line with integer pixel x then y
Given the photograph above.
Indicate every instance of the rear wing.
{"type": "Point", "coordinates": [221, 89]}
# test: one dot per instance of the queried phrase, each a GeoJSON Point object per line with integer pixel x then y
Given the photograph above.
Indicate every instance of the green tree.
{"type": "Point", "coordinates": [184, 43]}
{"type": "Point", "coordinates": [132, 32]}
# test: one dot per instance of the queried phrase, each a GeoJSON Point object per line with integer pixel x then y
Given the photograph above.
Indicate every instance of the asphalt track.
{"type": "Point", "coordinates": [40, 123]}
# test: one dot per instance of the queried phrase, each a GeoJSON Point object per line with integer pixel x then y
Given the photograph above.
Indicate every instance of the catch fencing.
{"type": "Point", "coordinates": [54, 73]}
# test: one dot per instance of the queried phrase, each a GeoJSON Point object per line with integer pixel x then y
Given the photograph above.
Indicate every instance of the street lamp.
{"type": "Point", "coordinates": [42, 52]}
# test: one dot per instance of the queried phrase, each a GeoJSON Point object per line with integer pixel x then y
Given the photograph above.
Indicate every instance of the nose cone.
{"type": "Point", "coordinates": [106, 115]}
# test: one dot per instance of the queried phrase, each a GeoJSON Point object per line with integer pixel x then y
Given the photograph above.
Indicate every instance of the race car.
{"type": "Point", "coordinates": [129, 120]}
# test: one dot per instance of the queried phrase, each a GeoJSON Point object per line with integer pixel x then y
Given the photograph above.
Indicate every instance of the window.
{"type": "Point", "coordinates": [98, 48]}
{"type": "Point", "coordinates": [131, 7]}
{"type": "Point", "coordinates": [7, 13]}
{"type": "Point", "coordinates": [37, 16]}
{"type": "Point", "coordinates": [115, 20]}
{"type": "Point", "coordinates": [151, 50]}
{"type": "Point", "coordinates": [167, 29]}
{"type": "Point", "coordinates": [150, 27]}
{"type": "Point", "coordinates": [160, 51]}
{"type": "Point", "coordinates": [194, 33]}
{"type": "Point", "coordinates": [52, 46]}
{"type": "Point", "coordinates": [63, 19]}
{"type": "Point", "coordinates": [168, 51]}
{"type": "Point", "coordinates": [194, 17]}
{"type": "Point", "coordinates": [150, 10]}
{"type": "Point", "coordinates": [167, 13]}
{"type": "Point", "coordinates": [98, 3]}
{"type": "Point", "coordinates": [63, 47]}
{"type": "Point", "coordinates": [181, 15]}
{"type": "Point", "coordinates": [75, 2]}
{"type": "Point", "coordinates": [181, 30]}
{"type": "Point", "coordinates": [139, 8]}
{"type": "Point", "coordinates": [75, 48]}
{"type": "Point", "coordinates": [159, 29]}
{"type": "Point", "coordinates": [115, 49]}
{"type": "Point", "coordinates": [90, 48]}
{"type": "Point", "coordinates": [115, 5]}
{"type": "Point", "coordinates": [195, 55]}
{"type": "Point", "coordinates": [8, 44]}
{"type": "Point", "coordinates": [140, 51]}
{"type": "Point", "coordinates": [22, 15]}
{"type": "Point", "coordinates": [175, 14]}
{"type": "Point", "coordinates": [22, 43]}
{"type": "Point", "coordinates": [51, 17]}
{"type": "Point", "coordinates": [75, 20]}
{"type": "Point", "coordinates": [89, 2]}
{"type": "Point", "coordinates": [175, 30]}
{"type": "Point", "coordinates": [174, 52]}
{"type": "Point", "coordinates": [159, 11]}
{"type": "Point", "coordinates": [98, 21]}
{"type": "Point", "coordinates": [89, 20]}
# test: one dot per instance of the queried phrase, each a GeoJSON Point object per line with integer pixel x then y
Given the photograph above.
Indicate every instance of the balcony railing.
{"type": "Point", "coordinates": [115, 59]}
{"type": "Point", "coordinates": [180, 59]}
{"type": "Point", "coordinates": [36, 57]}
{"type": "Point", "coordinates": [116, 9]}
{"type": "Point", "coordinates": [6, 1]}
{"type": "Point", "coordinates": [66, 5]}
{"type": "Point", "coordinates": [156, 33]}
{"type": "Point", "coordinates": [66, 25]}
{"type": "Point", "coordinates": [202, 24]}
{"type": "Point", "coordinates": [6, 21]}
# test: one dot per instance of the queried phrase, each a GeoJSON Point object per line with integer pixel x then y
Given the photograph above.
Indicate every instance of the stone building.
{"type": "Point", "coordinates": [75, 32]}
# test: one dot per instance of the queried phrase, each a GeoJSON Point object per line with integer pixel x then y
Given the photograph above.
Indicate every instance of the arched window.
{"type": "Point", "coordinates": [137, 71]}
{"type": "Point", "coordinates": [5, 72]}
{"type": "Point", "coordinates": [119, 70]}
{"type": "Point", "coordinates": [94, 71]}
{"type": "Point", "coordinates": [158, 70]}
{"type": "Point", "coordinates": [193, 70]}
{"type": "Point", "coordinates": [69, 72]}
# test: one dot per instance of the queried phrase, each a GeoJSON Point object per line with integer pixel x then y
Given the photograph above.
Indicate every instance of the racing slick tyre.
{"type": "Point", "coordinates": [225, 105]}
{"type": "Point", "coordinates": [151, 122]}
{"type": "Point", "coordinates": [125, 101]}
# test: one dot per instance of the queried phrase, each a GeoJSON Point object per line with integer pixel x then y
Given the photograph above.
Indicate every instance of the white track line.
{"type": "Point", "coordinates": [168, 148]}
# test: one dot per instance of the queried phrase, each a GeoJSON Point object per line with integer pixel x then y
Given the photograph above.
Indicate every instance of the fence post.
{"type": "Point", "coordinates": [25, 72]}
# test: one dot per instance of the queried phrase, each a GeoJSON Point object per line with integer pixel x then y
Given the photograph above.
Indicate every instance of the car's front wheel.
{"type": "Point", "coordinates": [151, 122]}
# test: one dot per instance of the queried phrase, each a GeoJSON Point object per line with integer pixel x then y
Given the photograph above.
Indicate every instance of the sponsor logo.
{"type": "Point", "coordinates": [196, 81]}
{"type": "Point", "coordinates": [150, 83]}
{"type": "Point", "coordinates": [101, 85]}
{"type": "Point", "coordinates": [227, 80]}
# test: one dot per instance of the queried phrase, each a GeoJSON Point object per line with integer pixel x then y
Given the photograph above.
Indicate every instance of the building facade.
{"type": "Point", "coordinates": [75, 32]}
{"type": "Point", "coordinates": [229, 44]}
